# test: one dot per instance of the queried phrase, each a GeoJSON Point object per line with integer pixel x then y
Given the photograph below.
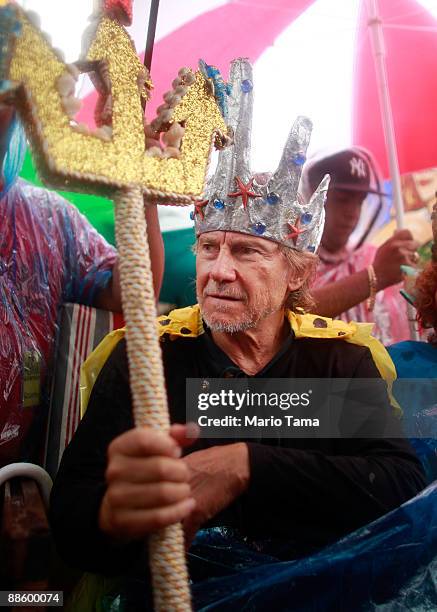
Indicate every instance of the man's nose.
{"type": "Point", "coordinates": [223, 268]}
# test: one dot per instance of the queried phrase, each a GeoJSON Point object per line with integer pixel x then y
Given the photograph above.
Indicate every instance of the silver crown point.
{"type": "Point", "coordinates": [240, 201]}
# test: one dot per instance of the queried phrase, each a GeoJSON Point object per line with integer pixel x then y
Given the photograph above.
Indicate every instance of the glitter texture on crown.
{"type": "Point", "coordinates": [260, 205]}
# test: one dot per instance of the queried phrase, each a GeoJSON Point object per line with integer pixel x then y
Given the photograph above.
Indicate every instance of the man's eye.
{"type": "Point", "coordinates": [247, 251]}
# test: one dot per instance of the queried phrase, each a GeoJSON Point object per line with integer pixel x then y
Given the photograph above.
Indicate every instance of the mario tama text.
{"type": "Point", "coordinates": [291, 408]}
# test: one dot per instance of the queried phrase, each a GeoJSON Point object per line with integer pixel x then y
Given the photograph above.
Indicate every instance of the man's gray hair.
{"type": "Point", "coordinates": [300, 263]}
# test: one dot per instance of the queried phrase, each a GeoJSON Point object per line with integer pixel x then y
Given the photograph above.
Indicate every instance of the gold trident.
{"type": "Point", "coordinates": [116, 164]}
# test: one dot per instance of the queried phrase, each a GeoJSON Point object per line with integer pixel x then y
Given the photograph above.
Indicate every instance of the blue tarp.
{"type": "Point", "coordinates": [389, 565]}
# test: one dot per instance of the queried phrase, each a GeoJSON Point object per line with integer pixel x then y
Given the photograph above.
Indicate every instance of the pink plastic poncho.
{"type": "Point", "coordinates": [49, 254]}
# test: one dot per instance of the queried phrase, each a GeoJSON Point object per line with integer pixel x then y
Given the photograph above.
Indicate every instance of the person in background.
{"type": "Point", "coordinates": [419, 359]}
{"type": "Point", "coordinates": [49, 254]}
{"type": "Point", "coordinates": [361, 283]}
{"type": "Point", "coordinates": [416, 366]}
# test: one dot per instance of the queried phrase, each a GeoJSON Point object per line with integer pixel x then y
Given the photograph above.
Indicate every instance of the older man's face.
{"type": "Point", "coordinates": [240, 279]}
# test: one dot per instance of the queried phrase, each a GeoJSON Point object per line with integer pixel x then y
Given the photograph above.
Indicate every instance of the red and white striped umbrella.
{"type": "Point", "coordinates": [311, 56]}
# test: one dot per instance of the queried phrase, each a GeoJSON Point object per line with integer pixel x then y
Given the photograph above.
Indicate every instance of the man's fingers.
{"type": "Point", "coordinates": [409, 245]}
{"type": "Point", "coordinates": [408, 255]}
{"type": "Point", "coordinates": [147, 470]}
{"type": "Point", "coordinates": [147, 496]}
{"type": "Point", "coordinates": [143, 442]}
{"type": "Point", "coordinates": [403, 234]}
{"type": "Point", "coordinates": [138, 523]}
{"type": "Point", "coordinates": [184, 435]}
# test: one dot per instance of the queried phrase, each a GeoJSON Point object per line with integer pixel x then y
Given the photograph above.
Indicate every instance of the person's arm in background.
{"type": "Point", "coordinates": [337, 297]}
{"type": "Point", "coordinates": [156, 246]}
{"type": "Point", "coordinates": [109, 298]}
{"type": "Point", "coordinates": [92, 275]}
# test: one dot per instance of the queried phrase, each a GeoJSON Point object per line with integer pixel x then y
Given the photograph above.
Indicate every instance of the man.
{"type": "Point", "coordinates": [358, 284]}
{"type": "Point", "coordinates": [50, 254]}
{"type": "Point", "coordinates": [118, 484]}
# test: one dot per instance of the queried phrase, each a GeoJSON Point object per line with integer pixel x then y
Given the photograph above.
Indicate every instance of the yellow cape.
{"type": "Point", "coordinates": [187, 323]}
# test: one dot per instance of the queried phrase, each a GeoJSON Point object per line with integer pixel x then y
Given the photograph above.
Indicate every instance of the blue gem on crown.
{"type": "Point", "coordinates": [272, 198]}
{"type": "Point", "coordinates": [219, 204]}
{"type": "Point", "coordinates": [259, 228]}
{"type": "Point", "coordinates": [246, 86]}
{"type": "Point", "coordinates": [299, 159]}
{"type": "Point", "coordinates": [306, 218]}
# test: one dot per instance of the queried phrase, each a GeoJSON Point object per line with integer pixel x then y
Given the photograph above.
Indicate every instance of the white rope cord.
{"type": "Point", "coordinates": [166, 548]}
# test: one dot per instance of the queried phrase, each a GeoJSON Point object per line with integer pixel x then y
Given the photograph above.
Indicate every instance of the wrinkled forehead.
{"type": "Point", "coordinates": [233, 239]}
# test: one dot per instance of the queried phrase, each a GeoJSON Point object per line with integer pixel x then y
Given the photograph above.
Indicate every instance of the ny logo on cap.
{"type": "Point", "coordinates": [358, 167]}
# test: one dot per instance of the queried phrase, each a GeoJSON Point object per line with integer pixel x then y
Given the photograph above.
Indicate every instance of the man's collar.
{"type": "Point", "coordinates": [187, 323]}
{"type": "Point", "coordinates": [227, 368]}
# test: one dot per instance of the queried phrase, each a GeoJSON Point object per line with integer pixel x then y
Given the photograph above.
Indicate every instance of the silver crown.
{"type": "Point", "coordinates": [260, 205]}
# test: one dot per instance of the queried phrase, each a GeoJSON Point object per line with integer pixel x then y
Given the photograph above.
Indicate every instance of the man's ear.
{"type": "Point", "coordinates": [295, 282]}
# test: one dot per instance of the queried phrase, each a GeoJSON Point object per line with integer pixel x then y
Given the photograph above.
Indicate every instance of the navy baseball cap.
{"type": "Point", "coordinates": [349, 170]}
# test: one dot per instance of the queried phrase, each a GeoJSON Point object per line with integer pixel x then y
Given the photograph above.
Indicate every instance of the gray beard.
{"type": "Point", "coordinates": [230, 328]}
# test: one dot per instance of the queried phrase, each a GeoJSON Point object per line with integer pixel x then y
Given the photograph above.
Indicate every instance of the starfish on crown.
{"type": "Point", "coordinates": [244, 191]}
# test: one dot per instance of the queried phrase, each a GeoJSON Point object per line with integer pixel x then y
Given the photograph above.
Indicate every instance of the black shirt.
{"type": "Point", "coordinates": [309, 491]}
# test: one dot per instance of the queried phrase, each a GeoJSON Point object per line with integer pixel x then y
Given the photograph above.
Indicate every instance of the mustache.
{"type": "Point", "coordinates": [224, 290]}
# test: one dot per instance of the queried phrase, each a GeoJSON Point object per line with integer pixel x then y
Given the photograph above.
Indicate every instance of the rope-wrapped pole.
{"type": "Point", "coordinates": [166, 548]}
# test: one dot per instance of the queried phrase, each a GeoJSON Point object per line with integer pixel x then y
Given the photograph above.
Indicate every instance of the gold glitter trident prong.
{"type": "Point", "coordinates": [113, 160]}
{"type": "Point", "coordinates": [71, 157]}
